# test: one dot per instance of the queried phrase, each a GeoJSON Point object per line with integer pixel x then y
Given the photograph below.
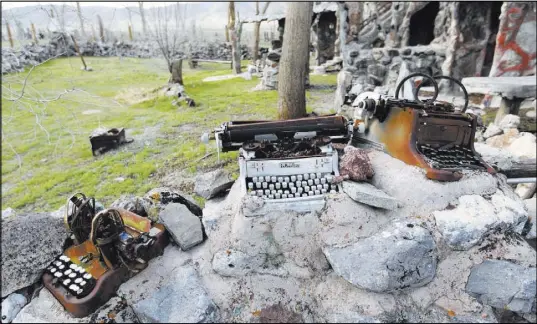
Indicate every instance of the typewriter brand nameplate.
{"type": "Point", "coordinates": [285, 165]}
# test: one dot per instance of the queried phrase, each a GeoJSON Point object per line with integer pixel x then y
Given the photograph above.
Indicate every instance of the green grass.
{"type": "Point", "coordinates": [126, 93]}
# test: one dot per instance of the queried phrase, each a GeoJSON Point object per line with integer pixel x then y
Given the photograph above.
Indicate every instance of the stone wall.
{"type": "Point", "coordinates": [62, 46]}
{"type": "Point", "coordinates": [463, 42]}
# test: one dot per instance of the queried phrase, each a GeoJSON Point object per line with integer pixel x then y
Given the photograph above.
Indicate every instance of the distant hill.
{"type": "Point", "coordinates": [209, 16]}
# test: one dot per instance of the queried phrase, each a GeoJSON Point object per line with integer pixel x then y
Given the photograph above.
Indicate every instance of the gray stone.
{"type": "Point", "coordinates": [11, 306]}
{"type": "Point", "coordinates": [234, 263]}
{"type": "Point", "coordinates": [509, 121]}
{"type": "Point", "coordinates": [368, 194]}
{"type": "Point", "coordinates": [492, 130]}
{"type": "Point", "coordinates": [504, 285]}
{"type": "Point", "coordinates": [524, 146]}
{"type": "Point", "coordinates": [8, 212]}
{"type": "Point", "coordinates": [45, 308]}
{"type": "Point", "coordinates": [152, 278]}
{"type": "Point", "coordinates": [181, 299]}
{"type": "Point", "coordinates": [532, 215]}
{"type": "Point", "coordinates": [137, 205]}
{"type": "Point", "coordinates": [162, 196]}
{"type": "Point", "coordinates": [508, 87]}
{"type": "Point", "coordinates": [126, 316]}
{"type": "Point", "coordinates": [465, 225]}
{"type": "Point", "coordinates": [400, 257]}
{"type": "Point", "coordinates": [213, 183]}
{"type": "Point", "coordinates": [184, 227]}
{"type": "Point", "coordinates": [29, 243]}
{"type": "Point", "coordinates": [344, 79]}
{"type": "Point", "coordinates": [502, 158]}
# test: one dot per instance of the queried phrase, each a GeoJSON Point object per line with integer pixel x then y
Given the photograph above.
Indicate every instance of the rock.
{"type": "Point", "coordinates": [447, 290]}
{"type": "Point", "coordinates": [355, 163]}
{"type": "Point", "coordinates": [401, 256]}
{"type": "Point", "coordinates": [504, 285]}
{"type": "Point", "coordinates": [11, 306]}
{"type": "Point", "coordinates": [465, 225]}
{"type": "Point", "coordinates": [162, 196]}
{"type": "Point", "coordinates": [180, 299]}
{"type": "Point", "coordinates": [504, 140]}
{"type": "Point", "coordinates": [137, 205]}
{"type": "Point", "coordinates": [524, 146]}
{"type": "Point", "coordinates": [184, 227]}
{"type": "Point", "coordinates": [153, 277]}
{"type": "Point", "coordinates": [233, 263]}
{"type": "Point", "coordinates": [8, 212]}
{"type": "Point", "coordinates": [495, 156]}
{"type": "Point", "coordinates": [276, 313]}
{"type": "Point", "coordinates": [213, 183]}
{"type": "Point", "coordinates": [509, 121]}
{"type": "Point", "coordinates": [256, 206]}
{"type": "Point", "coordinates": [119, 179]}
{"type": "Point", "coordinates": [419, 195]}
{"type": "Point", "coordinates": [126, 316]}
{"type": "Point", "coordinates": [45, 308]}
{"type": "Point", "coordinates": [366, 193]}
{"type": "Point", "coordinates": [525, 190]}
{"type": "Point", "coordinates": [29, 243]}
{"type": "Point", "coordinates": [492, 130]}
{"type": "Point", "coordinates": [111, 311]}
{"type": "Point", "coordinates": [532, 215]}
{"type": "Point", "coordinates": [344, 79]}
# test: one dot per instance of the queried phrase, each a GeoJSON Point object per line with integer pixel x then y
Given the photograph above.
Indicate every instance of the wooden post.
{"type": "Point", "coordinates": [9, 36]}
{"type": "Point", "coordinates": [130, 32]}
{"type": "Point", "coordinates": [78, 52]}
{"type": "Point", "coordinates": [34, 36]}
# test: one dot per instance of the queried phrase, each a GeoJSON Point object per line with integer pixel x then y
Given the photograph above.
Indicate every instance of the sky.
{"type": "Point", "coordinates": [113, 4]}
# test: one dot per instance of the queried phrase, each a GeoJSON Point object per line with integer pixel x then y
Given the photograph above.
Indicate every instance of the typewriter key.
{"type": "Point", "coordinates": [254, 179]}
{"type": "Point", "coordinates": [323, 180]}
{"type": "Point", "coordinates": [310, 182]}
{"type": "Point", "coordinates": [323, 191]}
{"type": "Point", "coordinates": [299, 184]}
{"type": "Point", "coordinates": [300, 190]}
{"type": "Point", "coordinates": [278, 185]}
{"type": "Point", "coordinates": [284, 184]}
{"type": "Point", "coordinates": [265, 185]}
{"type": "Point", "coordinates": [299, 177]}
{"type": "Point", "coordinates": [250, 185]}
{"type": "Point", "coordinates": [284, 196]}
{"type": "Point", "coordinates": [57, 274]}
{"type": "Point", "coordinates": [280, 179]}
{"type": "Point", "coordinates": [312, 176]}
{"type": "Point", "coordinates": [317, 192]}
{"type": "Point", "coordinates": [278, 195]}
{"type": "Point", "coordinates": [67, 281]}
{"type": "Point", "coordinates": [318, 175]}
{"type": "Point", "coordinates": [258, 185]}
{"type": "Point", "coordinates": [293, 190]}
{"type": "Point", "coordinates": [286, 179]}
{"type": "Point", "coordinates": [267, 178]}
{"type": "Point", "coordinates": [306, 176]}
{"type": "Point", "coordinates": [291, 185]}
{"type": "Point", "coordinates": [293, 178]}
{"type": "Point", "coordinates": [273, 179]}
{"type": "Point", "coordinates": [317, 181]}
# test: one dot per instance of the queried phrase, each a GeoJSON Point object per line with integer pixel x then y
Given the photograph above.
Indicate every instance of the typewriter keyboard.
{"type": "Point", "coordinates": [291, 186]}
{"type": "Point", "coordinates": [72, 277]}
{"type": "Point", "coordinates": [456, 157]}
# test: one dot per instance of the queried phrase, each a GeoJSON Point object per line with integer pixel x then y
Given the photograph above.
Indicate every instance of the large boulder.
{"type": "Point", "coordinates": [504, 285]}
{"type": "Point", "coordinates": [399, 257]}
{"type": "Point", "coordinates": [492, 130]}
{"type": "Point", "coordinates": [532, 215]}
{"type": "Point", "coordinates": [212, 183]}
{"type": "Point", "coordinates": [505, 139]}
{"type": "Point", "coordinates": [180, 299]}
{"type": "Point", "coordinates": [524, 146]}
{"type": "Point", "coordinates": [29, 243]}
{"type": "Point", "coordinates": [184, 227]}
{"type": "Point", "coordinates": [465, 225]}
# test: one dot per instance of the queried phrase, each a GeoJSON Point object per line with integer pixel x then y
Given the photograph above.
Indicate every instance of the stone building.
{"type": "Point", "coordinates": [461, 39]}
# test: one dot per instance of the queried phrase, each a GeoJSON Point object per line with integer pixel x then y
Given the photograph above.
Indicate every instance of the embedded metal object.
{"type": "Point", "coordinates": [103, 142]}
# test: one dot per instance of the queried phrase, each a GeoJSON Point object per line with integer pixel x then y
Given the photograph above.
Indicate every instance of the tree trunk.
{"type": "Point", "coordinates": [256, 40]}
{"type": "Point", "coordinates": [101, 28]}
{"type": "Point", "coordinates": [34, 34]}
{"type": "Point", "coordinates": [79, 54]}
{"type": "Point", "coordinates": [234, 35]}
{"type": "Point", "coordinates": [9, 36]}
{"type": "Point", "coordinates": [130, 32]}
{"type": "Point", "coordinates": [176, 68]}
{"type": "Point", "coordinates": [79, 12]}
{"type": "Point", "coordinates": [294, 59]}
{"type": "Point", "coordinates": [142, 15]}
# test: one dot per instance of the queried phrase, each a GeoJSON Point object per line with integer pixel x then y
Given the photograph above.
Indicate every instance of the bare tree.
{"type": "Point", "coordinates": [257, 27]}
{"type": "Point", "coordinates": [294, 59]}
{"type": "Point", "coordinates": [234, 34]}
{"type": "Point", "coordinates": [142, 15]}
{"type": "Point", "coordinates": [34, 34]}
{"type": "Point", "coordinates": [79, 13]}
{"type": "Point", "coordinates": [167, 33]}
{"type": "Point", "coordinates": [101, 28]}
{"type": "Point", "coordinates": [9, 35]}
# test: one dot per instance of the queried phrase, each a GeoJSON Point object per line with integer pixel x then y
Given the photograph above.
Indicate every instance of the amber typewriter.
{"type": "Point", "coordinates": [107, 247]}
{"type": "Point", "coordinates": [430, 134]}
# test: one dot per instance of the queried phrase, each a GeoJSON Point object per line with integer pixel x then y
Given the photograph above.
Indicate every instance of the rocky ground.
{"type": "Point", "coordinates": [415, 250]}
